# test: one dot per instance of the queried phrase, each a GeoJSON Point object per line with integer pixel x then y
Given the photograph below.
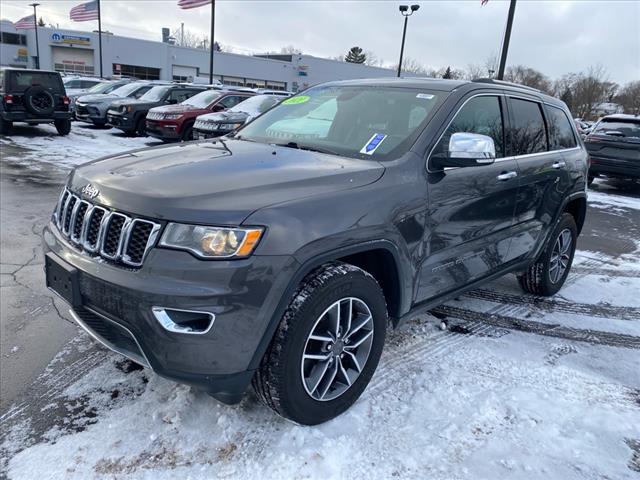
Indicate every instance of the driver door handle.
{"type": "Point", "coordinates": [558, 165]}
{"type": "Point", "coordinates": [503, 177]}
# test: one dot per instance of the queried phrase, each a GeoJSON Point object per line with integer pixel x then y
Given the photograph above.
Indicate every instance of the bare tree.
{"type": "Point", "coordinates": [629, 97]}
{"type": "Point", "coordinates": [373, 60]}
{"type": "Point", "coordinates": [530, 77]}
{"type": "Point", "coordinates": [474, 71]}
{"type": "Point", "coordinates": [583, 91]}
{"type": "Point", "coordinates": [411, 65]}
{"type": "Point", "coordinates": [290, 50]}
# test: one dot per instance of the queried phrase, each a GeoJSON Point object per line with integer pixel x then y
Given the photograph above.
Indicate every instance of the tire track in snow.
{"type": "Point", "coordinates": [594, 337]}
{"type": "Point", "coordinates": [550, 305]}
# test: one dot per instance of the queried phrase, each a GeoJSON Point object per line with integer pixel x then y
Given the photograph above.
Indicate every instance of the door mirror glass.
{"type": "Point", "coordinates": [172, 101]}
{"type": "Point", "coordinates": [467, 150]}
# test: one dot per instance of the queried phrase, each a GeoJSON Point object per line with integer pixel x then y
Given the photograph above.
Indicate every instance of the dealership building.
{"type": "Point", "coordinates": [72, 51]}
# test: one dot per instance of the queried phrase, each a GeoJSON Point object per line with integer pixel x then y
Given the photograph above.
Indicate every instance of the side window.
{"type": "Point", "coordinates": [560, 131]}
{"type": "Point", "coordinates": [73, 84]}
{"type": "Point", "coordinates": [231, 101]}
{"type": "Point", "coordinates": [141, 91]}
{"type": "Point", "coordinates": [528, 132]}
{"type": "Point", "coordinates": [481, 115]}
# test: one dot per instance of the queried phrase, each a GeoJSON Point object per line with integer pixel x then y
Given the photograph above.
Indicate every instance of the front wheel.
{"type": "Point", "coordinates": [548, 274]}
{"type": "Point", "coordinates": [326, 347]}
{"type": "Point", "coordinates": [187, 134]}
{"type": "Point", "coordinates": [63, 127]}
{"type": "Point", "coordinates": [5, 126]}
{"type": "Point", "coordinates": [590, 179]}
{"type": "Point", "coordinates": [141, 127]}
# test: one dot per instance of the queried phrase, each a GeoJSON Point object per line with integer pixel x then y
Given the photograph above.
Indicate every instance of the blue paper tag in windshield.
{"type": "Point", "coordinates": [373, 143]}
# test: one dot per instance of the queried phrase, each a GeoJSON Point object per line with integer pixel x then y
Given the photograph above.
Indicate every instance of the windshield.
{"type": "Point", "coordinates": [357, 121]}
{"type": "Point", "coordinates": [126, 90]}
{"type": "Point", "coordinates": [256, 105]}
{"type": "Point", "coordinates": [619, 128]}
{"type": "Point", "coordinates": [202, 99]}
{"type": "Point", "coordinates": [155, 94]}
{"type": "Point", "coordinates": [101, 87]}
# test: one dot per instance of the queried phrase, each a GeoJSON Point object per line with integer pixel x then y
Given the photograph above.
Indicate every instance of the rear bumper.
{"type": "Point", "coordinates": [615, 168]}
{"type": "Point", "coordinates": [116, 308]}
{"type": "Point", "coordinates": [30, 117]}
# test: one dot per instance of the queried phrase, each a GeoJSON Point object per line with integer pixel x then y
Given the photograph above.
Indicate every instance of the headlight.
{"type": "Point", "coordinates": [212, 242]}
{"type": "Point", "coordinates": [171, 116]}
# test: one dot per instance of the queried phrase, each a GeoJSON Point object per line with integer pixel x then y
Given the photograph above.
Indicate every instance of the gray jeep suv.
{"type": "Point", "coordinates": [278, 255]}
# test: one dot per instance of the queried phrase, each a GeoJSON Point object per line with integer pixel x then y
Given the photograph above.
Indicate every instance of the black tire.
{"type": "Point", "coordinates": [39, 101]}
{"type": "Point", "coordinates": [590, 179]}
{"type": "Point", "coordinates": [5, 126]}
{"type": "Point", "coordinates": [141, 126]}
{"type": "Point", "coordinates": [538, 279]}
{"type": "Point", "coordinates": [279, 382]}
{"type": "Point", "coordinates": [63, 127]}
{"type": "Point", "coordinates": [187, 134]}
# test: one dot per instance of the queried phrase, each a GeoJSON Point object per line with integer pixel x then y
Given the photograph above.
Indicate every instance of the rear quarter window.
{"type": "Point", "coordinates": [528, 132]}
{"type": "Point", "coordinates": [560, 132]}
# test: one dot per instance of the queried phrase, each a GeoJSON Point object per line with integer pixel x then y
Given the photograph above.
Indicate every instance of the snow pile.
{"type": "Point", "coordinates": [83, 144]}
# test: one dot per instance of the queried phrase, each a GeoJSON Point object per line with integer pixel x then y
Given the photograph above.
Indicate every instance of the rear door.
{"type": "Point", "coordinates": [470, 209]}
{"type": "Point", "coordinates": [544, 174]}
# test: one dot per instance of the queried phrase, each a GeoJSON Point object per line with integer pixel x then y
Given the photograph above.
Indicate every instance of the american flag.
{"type": "Point", "coordinates": [26, 23]}
{"type": "Point", "coordinates": [484, 2]}
{"type": "Point", "coordinates": [85, 11]}
{"type": "Point", "coordinates": [187, 4]}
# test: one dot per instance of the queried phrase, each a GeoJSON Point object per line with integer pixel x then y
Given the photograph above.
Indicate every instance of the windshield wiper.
{"type": "Point", "coordinates": [306, 147]}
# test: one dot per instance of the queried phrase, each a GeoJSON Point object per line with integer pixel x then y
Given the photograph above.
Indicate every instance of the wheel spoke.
{"type": "Point", "coordinates": [337, 328]}
{"type": "Point", "coordinates": [321, 372]}
{"type": "Point", "coordinates": [316, 356]}
{"type": "Point", "coordinates": [358, 327]}
{"type": "Point", "coordinates": [344, 372]}
{"type": "Point", "coordinates": [321, 338]}
{"type": "Point", "coordinates": [349, 317]}
{"type": "Point", "coordinates": [359, 342]}
{"type": "Point", "coordinates": [354, 360]}
{"type": "Point", "coordinates": [332, 377]}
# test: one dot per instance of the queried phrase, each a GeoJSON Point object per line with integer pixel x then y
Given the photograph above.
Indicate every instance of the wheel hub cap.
{"type": "Point", "coordinates": [337, 349]}
{"type": "Point", "coordinates": [560, 256]}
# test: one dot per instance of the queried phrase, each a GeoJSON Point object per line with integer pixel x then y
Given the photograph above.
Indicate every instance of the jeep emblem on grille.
{"type": "Point", "coordinates": [90, 191]}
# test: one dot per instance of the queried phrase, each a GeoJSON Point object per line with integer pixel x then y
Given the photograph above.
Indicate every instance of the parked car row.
{"type": "Point", "coordinates": [162, 109]}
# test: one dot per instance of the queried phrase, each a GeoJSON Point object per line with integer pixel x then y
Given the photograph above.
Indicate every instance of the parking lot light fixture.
{"type": "Point", "coordinates": [406, 12]}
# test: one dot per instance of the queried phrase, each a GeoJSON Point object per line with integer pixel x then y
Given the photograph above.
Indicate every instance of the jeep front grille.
{"type": "Point", "coordinates": [97, 230]}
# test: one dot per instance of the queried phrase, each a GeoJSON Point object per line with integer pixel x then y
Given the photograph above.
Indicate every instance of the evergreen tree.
{"type": "Point", "coordinates": [448, 73]}
{"type": "Point", "coordinates": [355, 55]}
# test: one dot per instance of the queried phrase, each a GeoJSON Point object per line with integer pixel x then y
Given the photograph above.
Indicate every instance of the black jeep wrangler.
{"type": "Point", "coordinates": [34, 97]}
{"type": "Point", "coordinates": [278, 255]}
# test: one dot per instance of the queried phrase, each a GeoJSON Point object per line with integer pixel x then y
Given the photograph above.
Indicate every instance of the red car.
{"type": "Point", "coordinates": [175, 122]}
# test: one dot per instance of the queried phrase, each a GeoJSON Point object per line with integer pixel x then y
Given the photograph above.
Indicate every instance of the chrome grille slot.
{"type": "Point", "coordinates": [112, 235]}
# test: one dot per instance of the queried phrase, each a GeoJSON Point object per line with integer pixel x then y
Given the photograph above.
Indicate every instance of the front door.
{"type": "Point", "coordinates": [471, 208]}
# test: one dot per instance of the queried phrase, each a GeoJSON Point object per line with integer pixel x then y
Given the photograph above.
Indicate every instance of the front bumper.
{"type": "Point", "coordinates": [242, 294]}
{"type": "Point", "coordinates": [91, 113]}
{"type": "Point", "coordinates": [121, 121]}
{"type": "Point", "coordinates": [163, 131]}
{"type": "Point", "coordinates": [204, 134]}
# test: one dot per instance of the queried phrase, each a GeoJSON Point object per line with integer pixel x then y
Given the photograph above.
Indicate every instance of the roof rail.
{"type": "Point", "coordinates": [502, 82]}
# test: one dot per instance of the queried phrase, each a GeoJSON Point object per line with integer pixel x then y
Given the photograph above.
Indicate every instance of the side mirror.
{"type": "Point", "coordinates": [467, 150]}
{"type": "Point", "coordinates": [172, 101]}
{"type": "Point", "coordinates": [217, 108]}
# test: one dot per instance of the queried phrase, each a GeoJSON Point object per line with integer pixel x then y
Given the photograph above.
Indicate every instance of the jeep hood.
{"type": "Point", "coordinates": [132, 101]}
{"type": "Point", "coordinates": [96, 98]}
{"type": "Point", "coordinates": [215, 182]}
{"type": "Point", "coordinates": [224, 117]}
{"type": "Point", "coordinates": [178, 109]}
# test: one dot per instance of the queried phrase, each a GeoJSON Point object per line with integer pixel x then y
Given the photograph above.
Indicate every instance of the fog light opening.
{"type": "Point", "coordinates": [184, 321]}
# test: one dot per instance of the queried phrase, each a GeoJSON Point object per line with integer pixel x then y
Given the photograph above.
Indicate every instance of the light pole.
{"type": "Point", "coordinates": [35, 26]}
{"type": "Point", "coordinates": [404, 10]}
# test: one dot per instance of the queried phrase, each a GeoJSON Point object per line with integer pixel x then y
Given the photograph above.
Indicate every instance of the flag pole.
{"type": "Point", "coordinates": [35, 25]}
{"type": "Point", "coordinates": [100, 37]}
{"type": "Point", "coordinates": [505, 42]}
{"type": "Point", "coordinates": [213, 21]}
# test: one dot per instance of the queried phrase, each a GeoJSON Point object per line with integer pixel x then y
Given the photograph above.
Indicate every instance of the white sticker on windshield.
{"type": "Point", "coordinates": [426, 96]}
{"type": "Point", "coordinates": [373, 143]}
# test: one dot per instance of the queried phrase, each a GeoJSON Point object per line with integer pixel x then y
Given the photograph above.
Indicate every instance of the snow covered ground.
{"type": "Point", "coordinates": [517, 387]}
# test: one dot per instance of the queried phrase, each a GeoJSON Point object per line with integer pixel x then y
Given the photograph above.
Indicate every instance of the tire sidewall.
{"type": "Point", "coordinates": [566, 221]}
{"type": "Point", "coordinates": [33, 92]}
{"type": "Point", "coordinates": [63, 127]}
{"type": "Point", "coordinates": [297, 403]}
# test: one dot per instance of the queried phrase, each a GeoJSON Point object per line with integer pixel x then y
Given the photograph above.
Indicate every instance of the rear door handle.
{"type": "Point", "coordinates": [503, 177]}
{"type": "Point", "coordinates": [558, 165]}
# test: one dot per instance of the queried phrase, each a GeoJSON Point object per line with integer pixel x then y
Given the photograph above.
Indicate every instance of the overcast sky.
{"type": "Point", "coordinates": [553, 36]}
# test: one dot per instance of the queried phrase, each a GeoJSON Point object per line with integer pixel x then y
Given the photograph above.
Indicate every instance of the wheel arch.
{"type": "Point", "coordinates": [360, 255]}
{"type": "Point", "coordinates": [576, 206]}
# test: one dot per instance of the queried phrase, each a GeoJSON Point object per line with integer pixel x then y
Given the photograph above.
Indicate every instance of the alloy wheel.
{"type": "Point", "coordinates": [560, 256]}
{"type": "Point", "coordinates": [337, 349]}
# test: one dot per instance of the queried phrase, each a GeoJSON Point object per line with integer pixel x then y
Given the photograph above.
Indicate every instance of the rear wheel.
{"type": "Point", "coordinates": [548, 274]}
{"type": "Point", "coordinates": [326, 347]}
{"type": "Point", "coordinates": [5, 126]}
{"type": "Point", "coordinates": [63, 127]}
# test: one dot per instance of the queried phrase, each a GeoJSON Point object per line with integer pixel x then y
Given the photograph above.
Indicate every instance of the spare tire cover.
{"type": "Point", "coordinates": [39, 101]}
